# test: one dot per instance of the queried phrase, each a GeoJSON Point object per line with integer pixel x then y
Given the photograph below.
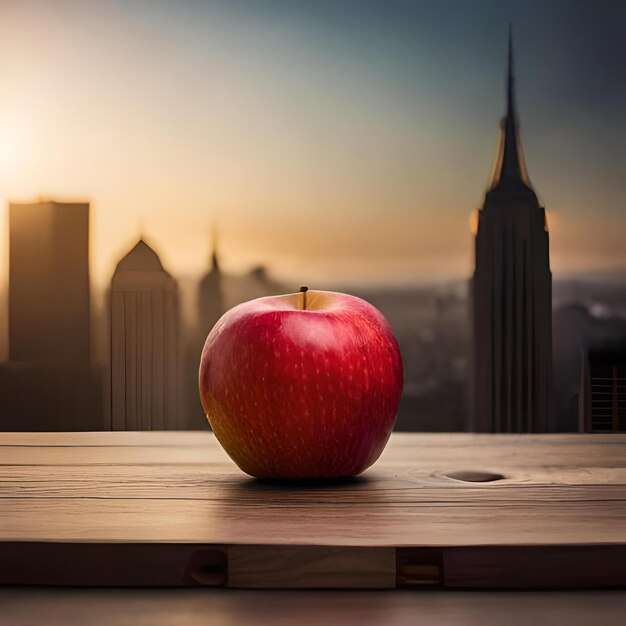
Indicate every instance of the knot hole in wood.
{"type": "Point", "coordinates": [473, 476]}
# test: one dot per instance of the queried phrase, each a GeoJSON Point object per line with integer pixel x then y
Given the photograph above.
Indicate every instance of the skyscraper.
{"type": "Point", "coordinates": [49, 283]}
{"type": "Point", "coordinates": [602, 398]}
{"type": "Point", "coordinates": [512, 295]}
{"type": "Point", "coordinates": [49, 382]}
{"type": "Point", "coordinates": [211, 295]}
{"type": "Point", "coordinates": [144, 343]}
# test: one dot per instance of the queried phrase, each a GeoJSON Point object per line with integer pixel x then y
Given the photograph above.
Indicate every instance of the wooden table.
{"type": "Point", "coordinates": [437, 511]}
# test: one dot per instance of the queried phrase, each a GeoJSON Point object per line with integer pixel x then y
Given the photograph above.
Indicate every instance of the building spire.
{"type": "Point", "coordinates": [510, 93]}
{"type": "Point", "coordinates": [510, 170]}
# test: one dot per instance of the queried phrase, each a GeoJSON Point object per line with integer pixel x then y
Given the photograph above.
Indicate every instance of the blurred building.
{"type": "Point", "coordinates": [430, 324]}
{"type": "Point", "coordinates": [257, 283]}
{"type": "Point", "coordinates": [49, 282]}
{"type": "Point", "coordinates": [210, 307]}
{"type": "Point", "coordinates": [603, 388]}
{"type": "Point", "coordinates": [210, 296]}
{"type": "Point", "coordinates": [512, 296]}
{"type": "Point", "coordinates": [48, 382]}
{"type": "Point", "coordinates": [145, 360]}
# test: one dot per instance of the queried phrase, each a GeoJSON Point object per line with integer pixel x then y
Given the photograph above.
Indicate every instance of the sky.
{"type": "Point", "coordinates": [333, 141]}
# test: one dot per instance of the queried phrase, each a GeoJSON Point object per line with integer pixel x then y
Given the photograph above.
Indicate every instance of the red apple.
{"type": "Point", "coordinates": [302, 386]}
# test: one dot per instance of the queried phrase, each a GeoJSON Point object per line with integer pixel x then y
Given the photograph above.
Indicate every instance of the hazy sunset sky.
{"type": "Point", "coordinates": [333, 141]}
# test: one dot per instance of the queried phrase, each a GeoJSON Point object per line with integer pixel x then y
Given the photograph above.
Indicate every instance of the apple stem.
{"type": "Point", "coordinates": [303, 291]}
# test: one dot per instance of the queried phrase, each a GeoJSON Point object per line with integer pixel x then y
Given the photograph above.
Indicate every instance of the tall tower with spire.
{"type": "Point", "coordinates": [512, 295]}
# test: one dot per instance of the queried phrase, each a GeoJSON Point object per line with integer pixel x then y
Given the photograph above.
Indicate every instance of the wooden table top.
{"type": "Point", "coordinates": [455, 510]}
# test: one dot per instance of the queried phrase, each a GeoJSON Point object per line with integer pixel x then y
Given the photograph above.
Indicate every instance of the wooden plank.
{"type": "Point", "coordinates": [107, 455]}
{"type": "Point", "coordinates": [80, 564]}
{"type": "Point", "coordinates": [104, 439]}
{"type": "Point", "coordinates": [229, 521]}
{"type": "Point", "coordinates": [399, 447]}
{"type": "Point", "coordinates": [524, 567]}
{"type": "Point", "coordinates": [289, 567]}
{"type": "Point", "coordinates": [135, 564]}
{"type": "Point", "coordinates": [434, 451]}
{"type": "Point", "coordinates": [293, 567]}
{"type": "Point", "coordinates": [275, 567]}
{"type": "Point", "coordinates": [209, 481]}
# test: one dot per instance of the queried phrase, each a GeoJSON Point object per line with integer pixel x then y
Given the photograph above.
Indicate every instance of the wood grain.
{"type": "Point", "coordinates": [311, 567]}
{"type": "Point", "coordinates": [390, 524]}
{"type": "Point", "coordinates": [563, 492]}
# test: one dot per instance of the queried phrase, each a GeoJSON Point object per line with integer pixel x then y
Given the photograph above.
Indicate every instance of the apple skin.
{"type": "Point", "coordinates": [302, 394]}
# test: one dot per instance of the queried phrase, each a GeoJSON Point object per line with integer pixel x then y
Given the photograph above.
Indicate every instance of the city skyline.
{"type": "Point", "coordinates": [338, 144]}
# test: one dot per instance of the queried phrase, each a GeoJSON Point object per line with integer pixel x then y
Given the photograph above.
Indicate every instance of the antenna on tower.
{"type": "Point", "coordinates": [510, 90]}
